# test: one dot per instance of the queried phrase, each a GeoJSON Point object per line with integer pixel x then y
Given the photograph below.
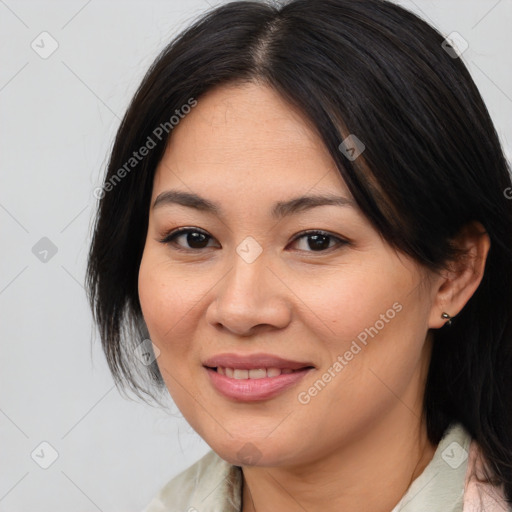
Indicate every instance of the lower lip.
{"type": "Point", "coordinates": [251, 390]}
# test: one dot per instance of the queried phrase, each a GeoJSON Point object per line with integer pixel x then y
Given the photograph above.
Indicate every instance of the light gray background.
{"type": "Point", "coordinates": [58, 119]}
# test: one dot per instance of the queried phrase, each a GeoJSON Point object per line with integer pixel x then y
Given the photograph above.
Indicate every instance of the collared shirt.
{"type": "Point", "coordinates": [451, 482]}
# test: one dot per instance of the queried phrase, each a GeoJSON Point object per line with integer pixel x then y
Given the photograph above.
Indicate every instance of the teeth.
{"type": "Point", "coordinates": [273, 372]}
{"type": "Point", "coordinates": [257, 373]}
{"type": "Point", "coordinates": [241, 374]}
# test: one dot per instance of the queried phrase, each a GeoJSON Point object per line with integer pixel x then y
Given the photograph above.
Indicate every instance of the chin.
{"type": "Point", "coordinates": [247, 452]}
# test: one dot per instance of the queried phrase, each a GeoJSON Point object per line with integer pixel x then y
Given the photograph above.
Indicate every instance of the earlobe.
{"type": "Point", "coordinates": [463, 277]}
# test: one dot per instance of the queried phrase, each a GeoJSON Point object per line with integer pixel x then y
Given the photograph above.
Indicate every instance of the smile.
{"type": "Point", "coordinates": [256, 373]}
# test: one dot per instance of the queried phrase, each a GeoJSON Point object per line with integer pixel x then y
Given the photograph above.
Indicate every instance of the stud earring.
{"type": "Point", "coordinates": [446, 315]}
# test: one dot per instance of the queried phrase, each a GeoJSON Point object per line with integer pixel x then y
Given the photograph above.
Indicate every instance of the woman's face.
{"type": "Point", "coordinates": [340, 308]}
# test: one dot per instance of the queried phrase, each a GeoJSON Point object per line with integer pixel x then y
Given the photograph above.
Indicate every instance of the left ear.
{"type": "Point", "coordinates": [460, 281]}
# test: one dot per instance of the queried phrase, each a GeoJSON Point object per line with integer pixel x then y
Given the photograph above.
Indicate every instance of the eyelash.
{"type": "Point", "coordinates": [170, 237]}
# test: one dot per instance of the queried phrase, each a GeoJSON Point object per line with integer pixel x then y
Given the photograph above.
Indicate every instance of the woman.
{"type": "Point", "coordinates": [306, 212]}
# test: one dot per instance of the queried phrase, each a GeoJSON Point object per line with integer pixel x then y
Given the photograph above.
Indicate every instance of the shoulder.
{"type": "Point", "coordinates": [480, 495]}
{"type": "Point", "coordinates": [209, 483]}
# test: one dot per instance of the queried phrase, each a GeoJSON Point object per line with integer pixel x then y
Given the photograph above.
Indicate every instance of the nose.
{"type": "Point", "coordinates": [250, 298]}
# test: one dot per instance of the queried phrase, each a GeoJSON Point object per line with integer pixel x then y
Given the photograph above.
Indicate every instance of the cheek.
{"type": "Point", "coordinates": [349, 302]}
{"type": "Point", "coordinates": [164, 306]}
{"type": "Point", "coordinates": [171, 298]}
{"type": "Point", "coordinates": [377, 326]}
{"type": "Point", "coordinates": [382, 358]}
{"type": "Point", "coordinates": [162, 298]}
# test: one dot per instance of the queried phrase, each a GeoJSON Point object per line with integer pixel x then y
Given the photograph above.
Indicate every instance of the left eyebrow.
{"type": "Point", "coordinates": [279, 210]}
{"type": "Point", "coordinates": [285, 208]}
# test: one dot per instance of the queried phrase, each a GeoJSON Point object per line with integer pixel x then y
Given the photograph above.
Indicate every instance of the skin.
{"type": "Point", "coordinates": [245, 148]}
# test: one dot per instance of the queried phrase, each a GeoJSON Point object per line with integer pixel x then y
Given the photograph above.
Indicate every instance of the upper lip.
{"type": "Point", "coordinates": [253, 361]}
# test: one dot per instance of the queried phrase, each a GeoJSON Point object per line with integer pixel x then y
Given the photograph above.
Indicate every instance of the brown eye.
{"type": "Point", "coordinates": [319, 241]}
{"type": "Point", "coordinates": [192, 238]}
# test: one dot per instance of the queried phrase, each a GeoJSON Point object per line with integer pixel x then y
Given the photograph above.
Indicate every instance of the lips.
{"type": "Point", "coordinates": [251, 390]}
{"type": "Point", "coordinates": [255, 377]}
{"type": "Point", "coordinates": [254, 362]}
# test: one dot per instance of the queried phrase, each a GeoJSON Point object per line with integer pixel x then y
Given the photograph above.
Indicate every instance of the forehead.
{"type": "Point", "coordinates": [246, 135]}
